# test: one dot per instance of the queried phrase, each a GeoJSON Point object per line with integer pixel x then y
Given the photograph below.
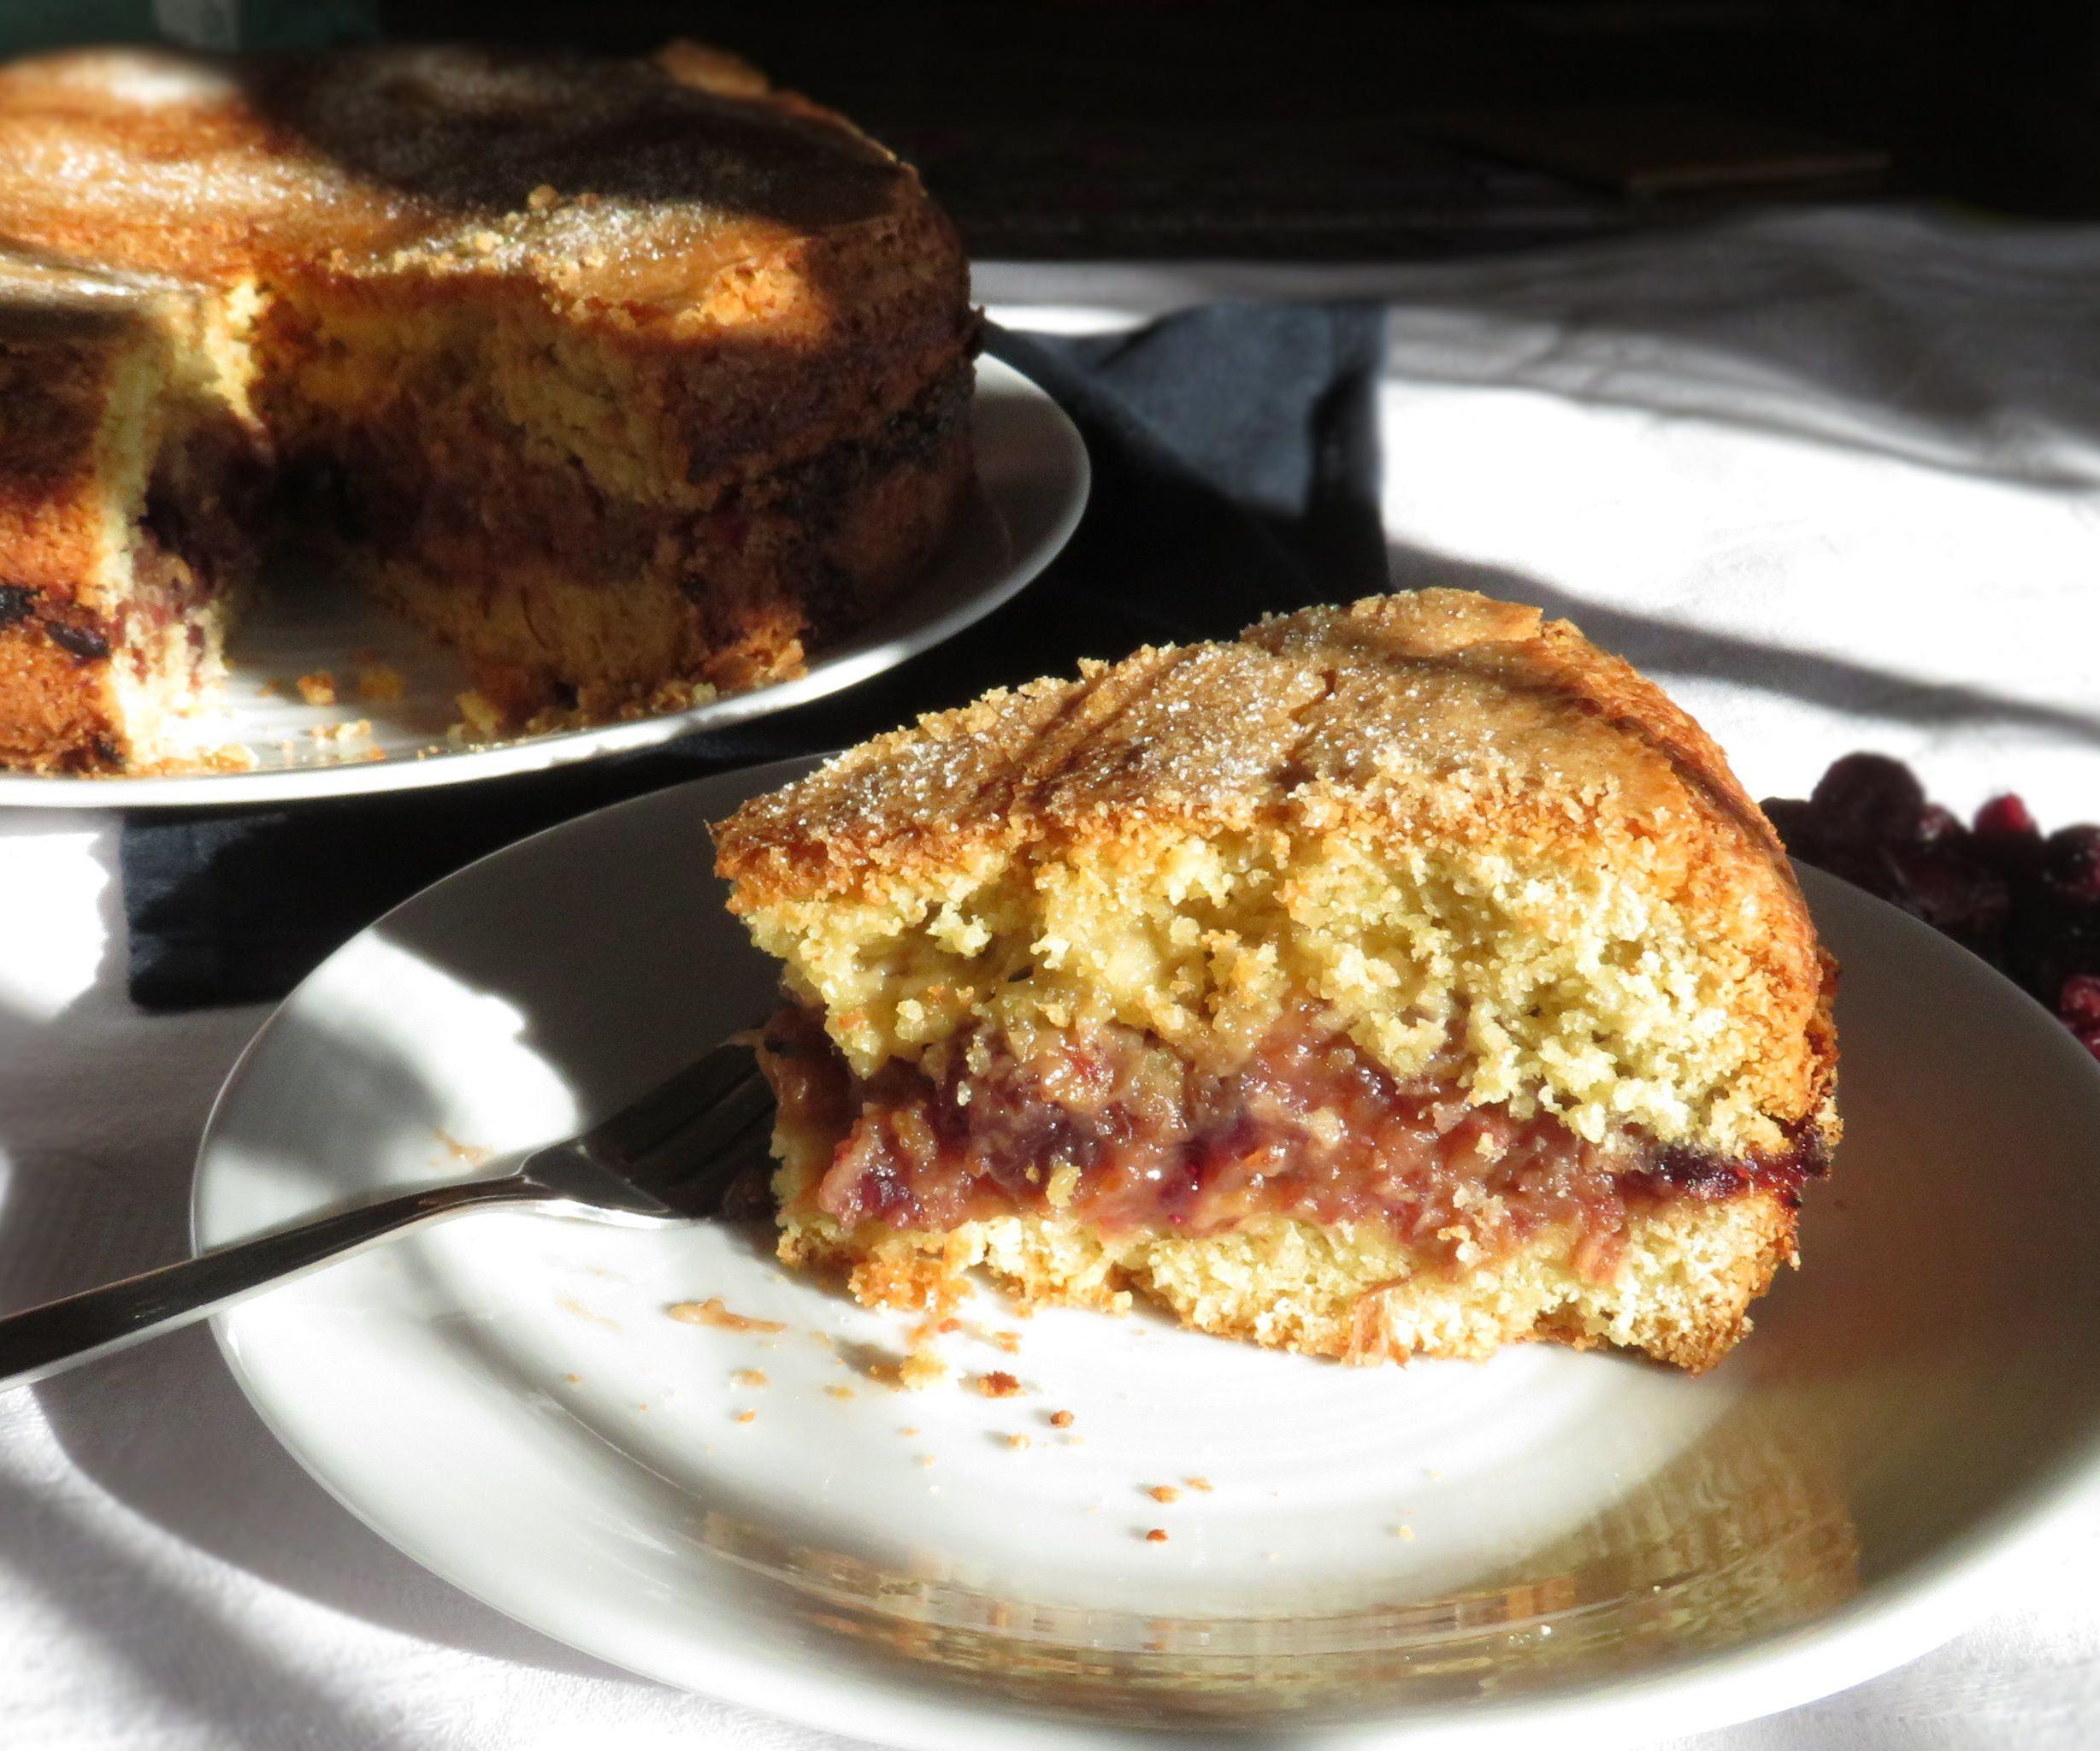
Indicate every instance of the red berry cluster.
{"type": "Point", "coordinates": [2028, 903]}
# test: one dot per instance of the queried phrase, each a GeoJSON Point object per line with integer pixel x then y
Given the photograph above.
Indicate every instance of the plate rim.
{"type": "Point", "coordinates": [1026, 561]}
{"type": "Point", "coordinates": [1939, 1595]}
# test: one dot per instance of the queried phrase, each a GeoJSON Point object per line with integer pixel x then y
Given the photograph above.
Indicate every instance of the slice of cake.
{"type": "Point", "coordinates": [629, 380]}
{"type": "Point", "coordinates": [1403, 979]}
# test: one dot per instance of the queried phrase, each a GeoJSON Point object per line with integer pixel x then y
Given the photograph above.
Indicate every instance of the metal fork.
{"type": "Point", "coordinates": [670, 1156]}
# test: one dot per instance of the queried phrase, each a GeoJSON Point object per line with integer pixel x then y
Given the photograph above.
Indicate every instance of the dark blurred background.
{"type": "Point", "coordinates": [1074, 128]}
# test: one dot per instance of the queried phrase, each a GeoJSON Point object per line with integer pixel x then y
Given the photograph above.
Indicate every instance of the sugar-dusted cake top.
{"type": "Point", "coordinates": [620, 179]}
{"type": "Point", "coordinates": [1437, 700]}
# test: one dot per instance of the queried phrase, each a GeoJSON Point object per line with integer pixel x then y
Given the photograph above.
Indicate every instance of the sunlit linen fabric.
{"type": "Point", "coordinates": [1835, 478]}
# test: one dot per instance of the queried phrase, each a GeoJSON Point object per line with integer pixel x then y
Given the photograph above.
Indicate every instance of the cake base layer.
{"type": "Point", "coordinates": [1689, 1272]}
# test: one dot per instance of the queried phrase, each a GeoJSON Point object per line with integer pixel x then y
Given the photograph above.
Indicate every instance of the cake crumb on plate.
{"type": "Point", "coordinates": [712, 1312]}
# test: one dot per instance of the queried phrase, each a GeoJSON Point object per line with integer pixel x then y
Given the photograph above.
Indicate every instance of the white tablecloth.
{"type": "Point", "coordinates": [1834, 478]}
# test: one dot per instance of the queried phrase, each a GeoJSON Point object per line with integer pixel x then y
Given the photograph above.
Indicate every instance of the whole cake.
{"type": "Point", "coordinates": [1402, 979]}
{"type": "Point", "coordinates": [628, 380]}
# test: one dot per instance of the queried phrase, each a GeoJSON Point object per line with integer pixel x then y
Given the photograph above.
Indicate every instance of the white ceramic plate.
{"type": "Point", "coordinates": [1031, 486]}
{"type": "Point", "coordinates": [1448, 1550]}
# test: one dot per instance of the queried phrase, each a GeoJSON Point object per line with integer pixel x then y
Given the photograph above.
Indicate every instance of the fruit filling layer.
{"type": "Point", "coordinates": [1116, 1129]}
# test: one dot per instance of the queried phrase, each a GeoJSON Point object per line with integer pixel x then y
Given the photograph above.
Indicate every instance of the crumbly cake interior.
{"type": "Point", "coordinates": [1379, 985]}
{"type": "Point", "coordinates": [135, 475]}
{"type": "Point", "coordinates": [613, 375]}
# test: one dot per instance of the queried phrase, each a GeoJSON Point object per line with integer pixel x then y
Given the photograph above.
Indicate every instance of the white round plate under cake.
{"type": "Point", "coordinates": [1031, 486]}
{"type": "Point", "coordinates": [1352, 1556]}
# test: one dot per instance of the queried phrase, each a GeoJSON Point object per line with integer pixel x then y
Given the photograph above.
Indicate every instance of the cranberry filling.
{"type": "Point", "coordinates": [1122, 1132]}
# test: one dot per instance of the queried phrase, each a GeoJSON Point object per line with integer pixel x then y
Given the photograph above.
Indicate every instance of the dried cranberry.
{"type": "Point", "coordinates": [1950, 891]}
{"type": "Point", "coordinates": [880, 1194]}
{"type": "Point", "coordinates": [2089, 1038]}
{"type": "Point", "coordinates": [1793, 820]}
{"type": "Point", "coordinates": [1862, 866]}
{"type": "Point", "coordinates": [2071, 863]}
{"type": "Point", "coordinates": [1178, 1187]}
{"type": "Point", "coordinates": [1697, 1173]}
{"type": "Point", "coordinates": [1938, 826]}
{"type": "Point", "coordinates": [81, 641]}
{"type": "Point", "coordinates": [2006, 816]}
{"type": "Point", "coordinates": [15, 602]}
{"type": "Point", "coordinates": [1868, 797]}
{"type": "Point", "coordinates": [2079, 1003]}
{"type": "Point", "coordinates": [2051, 942]}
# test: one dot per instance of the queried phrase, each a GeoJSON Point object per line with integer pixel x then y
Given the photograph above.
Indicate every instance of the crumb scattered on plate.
{"type": "Point", "coordinates": [1163, 1493]}
{"type": "Point", "coordinates": [918, 1370]}
{"type": "Point", "coordinates": [1202, 1484]}
{"type": "Point", "coordinates": [479, 716]}
{"type": "Point", "coordinates": [996, 1384]}
{"type": "Point", "coordinates": [317, 689]}
{"type": "Point", "coordinates": [473, 1154]}
{"type": "Point", "coordinates": [1157, 1536]}
{"type": "Point", "coordinates": [1061, 1419]}
{"type": "Point", "coordinates": [750, 1377]}
{"type": "Point", "coordinates": [712, 1312]}
{"type": "Point", "coordinates": [381, 683]}
{"type": "Point", "coordinates": [839, 1392]}
{"type": "Point", "coordinates": [747, 1416]}
{"type": "Point", "coordinates": [1019, 1441]}
{"type": "Point", "coordinates": [569, 1303]}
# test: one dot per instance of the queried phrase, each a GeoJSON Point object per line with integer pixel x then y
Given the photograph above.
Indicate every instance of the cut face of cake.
{"type": "Point", "coordinates": [628, 380]}
{"type": "Point", "coordinates": [128, 472]}
{"type": "Point", "coordinates": [1404, 979]}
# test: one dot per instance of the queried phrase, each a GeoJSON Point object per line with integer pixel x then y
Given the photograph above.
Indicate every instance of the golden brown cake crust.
{"type": "Point", "coordinates": [208, 168]}
{"type": "Point", "coordinates": [1363, 710]}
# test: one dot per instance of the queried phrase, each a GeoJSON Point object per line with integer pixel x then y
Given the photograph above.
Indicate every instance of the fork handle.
{"type": "Point", "coordinates": [42, 1340]}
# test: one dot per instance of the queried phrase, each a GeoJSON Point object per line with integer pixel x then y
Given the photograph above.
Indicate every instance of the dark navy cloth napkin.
{"type": "Point", "coordinates": [1236, 472]}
